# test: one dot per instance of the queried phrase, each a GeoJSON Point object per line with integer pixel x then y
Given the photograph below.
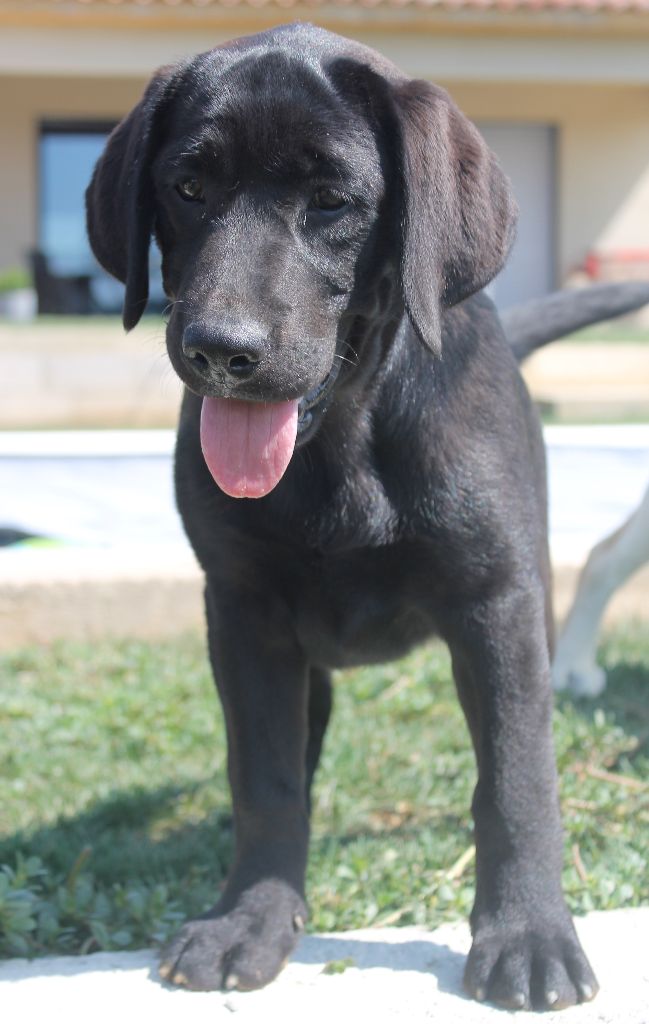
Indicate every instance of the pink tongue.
{"type": "Point", "coordinates": [247, 445]}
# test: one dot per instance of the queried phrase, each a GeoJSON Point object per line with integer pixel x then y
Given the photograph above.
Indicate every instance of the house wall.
{"type": "Point", "coordinates": [574, 54]}
{"type": "Point", "coordinates": [602, 158]}
{"type": "Point", "coordinates": [24, 103]}
{"type": "Point", "coordinates": [602, 184]}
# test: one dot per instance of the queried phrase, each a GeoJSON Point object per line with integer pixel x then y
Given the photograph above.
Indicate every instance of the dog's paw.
{"type": "Point", "coordinates": [242, 949]}
{"type": "Point", "coordinates": [541, 968]}
{"type": "Point", "coordinates": [582, 680]}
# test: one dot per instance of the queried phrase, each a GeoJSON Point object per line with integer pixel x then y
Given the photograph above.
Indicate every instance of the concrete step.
{"type": "Point", "coordinates": [157, 593]}
{"type": "Point", "coordinates": [126, 569]}
{"type": "Point", "coordinates": [590, 372]}
{"type": "Point", "coordinates": [393, 975]}
{"type": "Point", "coordinates": [88, 373]}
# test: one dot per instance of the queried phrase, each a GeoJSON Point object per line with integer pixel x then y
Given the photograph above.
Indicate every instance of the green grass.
{"type": "Point", "coordinates": [115, 823]}
{"type": "Point", "coordinates": [611, 331]}
{"type": "Point", "coordinates": [607, 332]}
{"type": "Point", "coordinates": [593, 415]}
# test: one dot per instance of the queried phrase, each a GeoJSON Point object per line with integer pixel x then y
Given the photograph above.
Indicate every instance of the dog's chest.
{"type": "Point", "coordinates": [363, 607]}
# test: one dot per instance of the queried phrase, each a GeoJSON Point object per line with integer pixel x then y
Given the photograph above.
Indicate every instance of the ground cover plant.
{"type": "Point", "coordinates": [114, 818]}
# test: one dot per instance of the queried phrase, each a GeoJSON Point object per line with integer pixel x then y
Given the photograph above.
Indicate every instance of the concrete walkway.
{"type": "Point", "coordinates": [85, 373]}
{"type": "Point", "coordinates": [394, 974]}
{"type": "Point", "coordinates": [88, 373]}
{"type": "Point", "coordinates": [124, 566]}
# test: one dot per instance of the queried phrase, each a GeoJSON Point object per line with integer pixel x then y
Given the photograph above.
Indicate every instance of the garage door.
{"type": "Point", "coordinates": [527, 155]}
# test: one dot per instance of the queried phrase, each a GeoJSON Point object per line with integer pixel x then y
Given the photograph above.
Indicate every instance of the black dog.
{"type": "Point", "coordinates": [325, 225]}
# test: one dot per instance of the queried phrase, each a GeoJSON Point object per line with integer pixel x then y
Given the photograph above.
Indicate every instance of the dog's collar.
{"type": "Point", "coordinates": [314, 398]}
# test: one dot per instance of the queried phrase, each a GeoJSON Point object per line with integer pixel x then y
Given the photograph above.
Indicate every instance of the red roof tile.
{"type": "Point", "coordinates": [503, 6]}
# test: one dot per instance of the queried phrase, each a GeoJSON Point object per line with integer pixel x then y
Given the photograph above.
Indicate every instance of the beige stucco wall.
{"type": "Point", "coordinates": [602, 138]}
{"type": "Point", "coordinates": [602, 157]}
{"type": "Point", "coordinates": [576, 54]}
{"type": "Point", "coordinates": [24, 103]}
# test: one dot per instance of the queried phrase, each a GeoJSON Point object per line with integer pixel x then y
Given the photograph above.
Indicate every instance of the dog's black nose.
{"type": "Point", "coordinates": [234, 349]}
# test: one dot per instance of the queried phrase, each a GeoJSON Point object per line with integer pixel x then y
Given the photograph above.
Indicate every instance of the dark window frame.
{"type": "Point", "coordinates": [62, 126]}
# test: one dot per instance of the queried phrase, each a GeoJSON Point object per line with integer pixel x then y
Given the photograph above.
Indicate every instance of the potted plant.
{"type": "Point", "coordinates": [17, 296]}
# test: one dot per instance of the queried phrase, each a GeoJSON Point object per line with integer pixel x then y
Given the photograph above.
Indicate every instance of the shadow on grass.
{"type": "Point", "coordinates": [124, 873]}
{"type": "Point", "coordinates": [136, 835]}
{"type": "Point", "coordinates": [625, 700]}
{"type": "Point", "coordinates": [618, 718]}
{"type": "Point", "coordinates": [628, 682]}
{"type": "Point", "coordinates": [141, 834]}
{"type": "Point", "coordinates": [129, 836]}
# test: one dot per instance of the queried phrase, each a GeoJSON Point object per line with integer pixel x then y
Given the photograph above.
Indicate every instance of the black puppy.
{"type": "Point", "coordinates": [325, 224]}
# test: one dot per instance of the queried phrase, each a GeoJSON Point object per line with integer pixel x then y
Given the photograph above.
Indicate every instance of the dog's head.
{"type": "Point", "coordinates": [297, 185]}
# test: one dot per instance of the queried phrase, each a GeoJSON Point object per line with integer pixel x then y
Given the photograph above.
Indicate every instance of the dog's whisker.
{"type": "Point", "coordinates": [171, 305]}
{"type": "Point", "coordinates": [344, 359]}
{"type": "Point", "coordinates": [353, 351]}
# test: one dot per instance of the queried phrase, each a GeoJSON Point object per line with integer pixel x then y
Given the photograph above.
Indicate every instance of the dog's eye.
{"type": "Point", "coordinates": [328, 199]}
{"type": "Point", "coordinates": [191, 190]}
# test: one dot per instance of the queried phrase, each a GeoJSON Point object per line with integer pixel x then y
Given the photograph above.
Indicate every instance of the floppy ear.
{"type": "Point", "coordinates": [458, 215]}
{"type": "Point", "coordinates": [119, 200]}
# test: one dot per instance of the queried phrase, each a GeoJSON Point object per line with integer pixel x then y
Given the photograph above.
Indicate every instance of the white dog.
{"type": "Point", "coordinates": [616, 558]}
{"type": "Point", "coordinates": [609, 565]}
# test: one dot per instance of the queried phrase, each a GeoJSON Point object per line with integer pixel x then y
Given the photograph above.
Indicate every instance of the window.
{"type": "Point", "coordinates": [67, 153]}
{"type": "Point", "coordinates": [67, 156]}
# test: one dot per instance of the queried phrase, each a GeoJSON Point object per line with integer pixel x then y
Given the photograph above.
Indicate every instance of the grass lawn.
{"type": "Point", "coordinates": [606, 330]}
{"type": "Point", "coordinates": [114, 822]}
{"type": "Point", "coordinates": [610, 331]}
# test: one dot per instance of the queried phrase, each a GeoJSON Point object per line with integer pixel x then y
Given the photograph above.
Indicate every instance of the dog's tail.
{"type": "Point", "coordinates": [543, 320]}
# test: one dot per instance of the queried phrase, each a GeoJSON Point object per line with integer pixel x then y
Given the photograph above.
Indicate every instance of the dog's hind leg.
{"type": "Point", "coordinates": [320, 703]}
{"type": "Point", "coordinates": [609, 565]}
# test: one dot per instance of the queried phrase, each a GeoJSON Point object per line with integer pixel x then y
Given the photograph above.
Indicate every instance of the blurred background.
{"type": "Point", "coordinates": [559, 88]}
{"type": "Point", "coordinates": [114, 818]}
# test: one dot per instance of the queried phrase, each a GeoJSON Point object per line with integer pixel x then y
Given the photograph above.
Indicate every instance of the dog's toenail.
{"type": "Point", "coordinates": [518, 1000]}
{"type": "Point", "coordinates": [551, 997]}
{"type": "Point", "coordinates": [164, 970]}
{"type": "Point", "coordinates": [480, 995]}
{"type": "Point", "coordinates": [231, 981]}
{"type": "Point", "coordinates": [586, 992]}
{"type": "Point", "coordinates": [298, 923]}
{"type": "Point", "coordinates": [179, 978]}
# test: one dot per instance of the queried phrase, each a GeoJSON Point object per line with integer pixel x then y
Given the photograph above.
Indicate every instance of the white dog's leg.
{"type": "Point", "coordinates": [609, 565]}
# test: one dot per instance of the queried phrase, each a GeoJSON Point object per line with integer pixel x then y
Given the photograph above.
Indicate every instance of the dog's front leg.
{"type": "Point", "coordinates": [525, 950]}
{"type": "Point", "coordinates": [262, 677]}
